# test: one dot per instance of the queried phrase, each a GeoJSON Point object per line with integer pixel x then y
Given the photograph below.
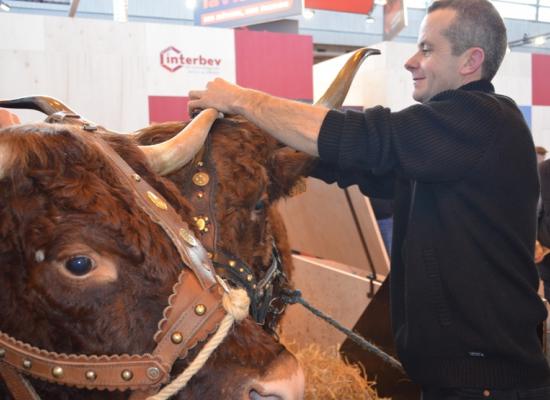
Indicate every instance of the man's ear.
{"type": "Point", "coordinates": [473, 61]}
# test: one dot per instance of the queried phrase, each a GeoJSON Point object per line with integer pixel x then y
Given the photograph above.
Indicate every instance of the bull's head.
{"type": "Point", "coordinates": [85, 270]}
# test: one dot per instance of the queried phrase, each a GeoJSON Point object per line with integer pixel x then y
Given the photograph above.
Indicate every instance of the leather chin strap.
{"type": "Point", "coordinates": [194, 310]}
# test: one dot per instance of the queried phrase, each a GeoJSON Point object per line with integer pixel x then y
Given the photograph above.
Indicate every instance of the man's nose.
{"type": "Point", "coordinates": [411, 64]}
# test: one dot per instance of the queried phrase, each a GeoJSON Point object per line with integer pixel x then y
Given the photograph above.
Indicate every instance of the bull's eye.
{"type": "Point", "coordinates": [259, 206]}
{"type": "Point", "coordinates": [79, 265]}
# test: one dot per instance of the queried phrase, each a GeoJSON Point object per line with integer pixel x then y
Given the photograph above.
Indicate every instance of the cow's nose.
{"type": "Point", "coordinates": [284, 380]}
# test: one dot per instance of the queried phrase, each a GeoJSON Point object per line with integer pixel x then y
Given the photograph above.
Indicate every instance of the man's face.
{"type": "Point", "coordinates": [433, 67]}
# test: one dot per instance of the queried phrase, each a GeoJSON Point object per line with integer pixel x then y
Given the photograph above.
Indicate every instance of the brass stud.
{"type": "Point", "coordinates": [153, 373]}
{"type": "Point", "coordinates": [206, 219]}
{"type": "Point", "coordinates": [232, 263]}
{"type": "Point", "coordinates": [200, 164]}
{"type": "Point", "coordinates": [2, 353]}
{"type": "Point", "coordinates": [200, 309]}
{"type": "Point", "coordinates": [27, 364]}
{"type": "Point", "coordinates": [157, 201]}
{"type": "Point", "coordinates": [90, 375]}
{"type": "Point", "coordinates": [176, 338]}
{"type": "Point", "coordinates": [127, 375]}
{"type": "Point", "coordinates": [210, 255]}
{"type": "Point", "coordinates": [201, 223]}
{"type": "Point", "coordinates": [57, 372]}
{"type": "Point", "coordinates": [249, 277]}
{"type": "Point", "coordinates": [205, 230]}
{"type": "Point", "coordinates": [136, 177]}
{"type": "Point", "coordinates": [188, 237]}
{"type": "Point", "coordinates": [254, 286]}
{"type": "Point", "coordinates": [201, 179]}
{"type": "Point", "coordinates": [200, 195]}
{"type": "Point", "coordinates": [241, 270]}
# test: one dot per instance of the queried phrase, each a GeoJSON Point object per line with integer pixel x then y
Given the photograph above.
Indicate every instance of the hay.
{"type": "Point", "coordinates": [330, 377]}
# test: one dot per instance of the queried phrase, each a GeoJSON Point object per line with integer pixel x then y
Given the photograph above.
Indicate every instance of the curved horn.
{"type": "Point", "coordinates": [45, 104]}
{"type": "Point", "coordinates": [336, 93]}
{"type": "Point", "coordinates": [173, 154]}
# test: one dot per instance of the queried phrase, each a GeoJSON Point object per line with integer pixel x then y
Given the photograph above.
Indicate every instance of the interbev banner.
{"type": "Point", "coordinates": [181, 58]}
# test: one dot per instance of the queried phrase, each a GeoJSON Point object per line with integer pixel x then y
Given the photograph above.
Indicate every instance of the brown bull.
{"type": "Point", "coordinates": [85, 271]}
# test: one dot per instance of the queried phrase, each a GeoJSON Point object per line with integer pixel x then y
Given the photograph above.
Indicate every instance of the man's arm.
{"type": "Point", "coordinates": [293, 123]}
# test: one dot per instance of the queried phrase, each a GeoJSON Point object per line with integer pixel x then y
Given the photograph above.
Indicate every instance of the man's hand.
{"type": "Point", "coordinates": [219, 94]}
{"type": "Point", "coordinates": [540, 252]}
{"type": "Point", "coordinates": [7, 118]}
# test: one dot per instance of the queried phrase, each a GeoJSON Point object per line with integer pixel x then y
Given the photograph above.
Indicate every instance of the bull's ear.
{"type": "Point", "coordinates": [288, 169]}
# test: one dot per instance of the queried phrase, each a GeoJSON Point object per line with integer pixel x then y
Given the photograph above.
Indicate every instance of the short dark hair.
{"type": "Point", "coordinates": [477, 24]}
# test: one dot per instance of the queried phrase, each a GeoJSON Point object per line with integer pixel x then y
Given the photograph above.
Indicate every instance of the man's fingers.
{"type": "Point", "coordinates": [196, 94]}
{"type": "Point", "coordinates": [193, 107]}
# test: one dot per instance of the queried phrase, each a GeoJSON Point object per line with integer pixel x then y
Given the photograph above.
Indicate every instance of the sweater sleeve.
{"type": "Point", "coordinates": [437, 141]}
{"type": "Point", "coordinates": [368, 183]}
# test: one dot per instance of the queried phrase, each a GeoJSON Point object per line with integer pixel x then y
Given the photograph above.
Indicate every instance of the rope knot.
{"type": "Point", "coordinates": [236, 303]}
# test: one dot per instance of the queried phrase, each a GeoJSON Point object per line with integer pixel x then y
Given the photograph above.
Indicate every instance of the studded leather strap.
{"type": "Point", "coordinates": [18, 386]}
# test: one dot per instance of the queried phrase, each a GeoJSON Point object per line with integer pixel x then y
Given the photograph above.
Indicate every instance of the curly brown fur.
{"type": "Point", "coordinates": [252, 168]}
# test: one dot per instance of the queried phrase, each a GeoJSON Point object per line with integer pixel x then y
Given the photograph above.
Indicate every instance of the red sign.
{"type": "Point", "coordinates": [395, 18]}
{"type": "Point", "coordinates": [540, 66]}
{"type": "Point", "coordinates": [351, 6]}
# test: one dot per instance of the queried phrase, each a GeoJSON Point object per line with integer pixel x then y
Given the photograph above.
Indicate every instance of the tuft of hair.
{"type": "Point", "coordinates": [477, 24]}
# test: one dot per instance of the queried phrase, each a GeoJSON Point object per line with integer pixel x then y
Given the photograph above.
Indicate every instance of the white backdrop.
{"type": "Point", "coordinates": [106, 70]}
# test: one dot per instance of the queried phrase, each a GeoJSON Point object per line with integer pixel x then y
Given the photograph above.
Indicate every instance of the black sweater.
{"type": "Point", "coordinates": [462, 170]}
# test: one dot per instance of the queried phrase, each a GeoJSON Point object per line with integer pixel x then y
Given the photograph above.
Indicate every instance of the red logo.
{"type": "Point", "coordinates": [172, 59]}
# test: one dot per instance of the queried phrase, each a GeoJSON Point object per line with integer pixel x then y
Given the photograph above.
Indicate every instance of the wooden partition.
{"type": "Point", "coordinates": [337, 225]}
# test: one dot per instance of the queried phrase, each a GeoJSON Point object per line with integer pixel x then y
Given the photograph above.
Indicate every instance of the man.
{"type": "Point", "coordinates": [462, 171]}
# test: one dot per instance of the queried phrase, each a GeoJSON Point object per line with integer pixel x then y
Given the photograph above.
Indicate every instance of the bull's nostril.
{"type": "Point", "coordinates": [253, 395]}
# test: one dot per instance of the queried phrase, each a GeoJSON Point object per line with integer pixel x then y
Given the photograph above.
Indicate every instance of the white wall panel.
{"type": "Point", "coordinates": [514, 77]}
{"type": "Point", "coordinates": [102, 69]}
{"type": "Point", "coordinates": [26, 32]}
{"type": "Point", "coordinates": [540, 125]}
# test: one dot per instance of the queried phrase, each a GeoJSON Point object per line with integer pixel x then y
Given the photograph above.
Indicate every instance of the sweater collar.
{"type": "Point", "coordinates": [481, 85]}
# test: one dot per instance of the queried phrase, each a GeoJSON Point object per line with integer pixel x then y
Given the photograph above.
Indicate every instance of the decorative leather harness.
{"type": "Point", "coordinates": [266, 303]}
{"type": "Point", "coordinates": [194, 309]}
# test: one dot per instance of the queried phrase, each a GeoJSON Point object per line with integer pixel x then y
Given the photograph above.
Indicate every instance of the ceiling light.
{"type": "Point", "coordinates": [370, 19]}
{"type": "Point", "coordinates": [191, 4]}
{"type": "Point", "coordinates": [308, 13]}
{"type": "Point", "coordinates": [380, 2]}
{"type": "Point", "coordinates": [4, 6]}
{"type": "Point", "coordinates": [539, 40]}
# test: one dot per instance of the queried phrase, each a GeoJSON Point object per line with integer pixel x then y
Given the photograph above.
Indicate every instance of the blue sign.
{"type": "Point", "coordinates": [235, 13]}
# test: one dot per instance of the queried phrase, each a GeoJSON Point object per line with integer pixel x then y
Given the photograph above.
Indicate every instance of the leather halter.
{"type": "Point", "coordinates": [193, 312]}
{"type": "Point", "coordinates": [265, 302]}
